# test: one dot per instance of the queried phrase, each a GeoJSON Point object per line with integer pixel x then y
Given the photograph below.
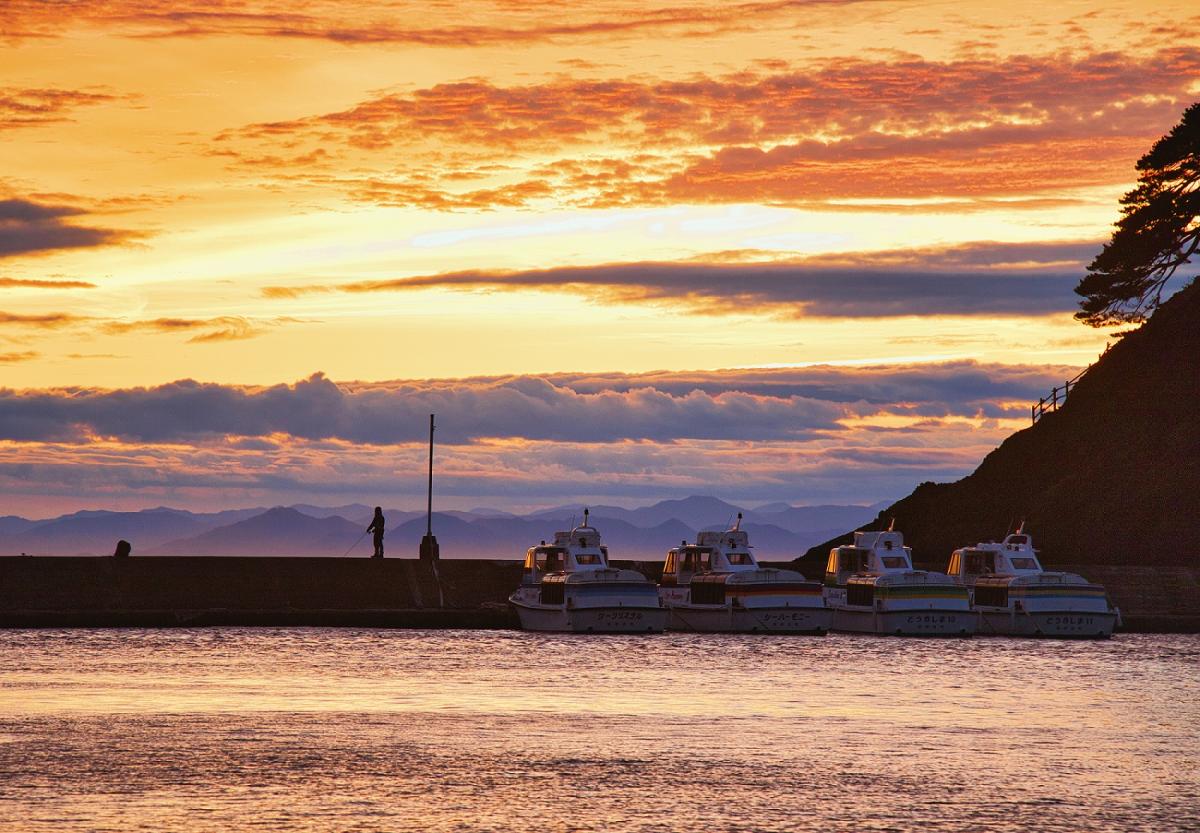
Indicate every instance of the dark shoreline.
{"type": "Point", "coordinates": [198, 591]}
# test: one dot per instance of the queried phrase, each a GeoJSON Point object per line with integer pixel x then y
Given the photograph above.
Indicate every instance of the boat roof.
{"type": "Point", "coordinates": [728, 550]}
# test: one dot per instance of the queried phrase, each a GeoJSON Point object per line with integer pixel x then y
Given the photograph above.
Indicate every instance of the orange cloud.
{"type": "Point", "coordinates": [205, 330]}
{"type": "Point", "coordinates": [221, 328]}
{"type": "Point", "coordinates": [42, 321]}
{"type": "Point", "coordinates": [35, 107]}
{"type": "Point", "coordinates": [41, 284]}
{"type": "Point", "coordinates": [844, 128]}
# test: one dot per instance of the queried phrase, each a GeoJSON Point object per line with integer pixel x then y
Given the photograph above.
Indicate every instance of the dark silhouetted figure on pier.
{"type": "Point", "coordinates": [376, 526]}
{"type": "Point", "coordinates": [123, 549]}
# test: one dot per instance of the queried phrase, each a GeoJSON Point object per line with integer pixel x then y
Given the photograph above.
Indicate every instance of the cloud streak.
{"type": "Point", "coordinates": [207, 330]}
{"type": "Point", "coordinates": [35, 107]}
{"type": "Point", "coordinates": [29, 228]}
{"type": "Point", "coordinates": [983, 279]}
{"type": "Point", "coordinates": [29, 283]}
{"type": "Point", "coordinates": [397, 22]}
{"type": "Point", "coordinates": [203, 330]}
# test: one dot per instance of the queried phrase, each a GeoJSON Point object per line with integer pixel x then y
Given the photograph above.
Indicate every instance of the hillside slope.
{"type": "Point", "coordinates": [1112, 477]}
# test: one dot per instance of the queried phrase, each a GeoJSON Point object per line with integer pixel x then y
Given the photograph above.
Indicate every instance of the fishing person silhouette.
{"type": "Point", "coordinates": [376, 526]}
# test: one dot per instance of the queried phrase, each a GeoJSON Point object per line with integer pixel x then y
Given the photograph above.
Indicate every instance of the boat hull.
{"type": "Point", "coordinates": [767, 619]}
{"type": "Point", "coordinates": [1047, 624]}
{"type": "Point", "coordinates": [599, 619]}
{"type": "Point", "coordinates": [922, 622]}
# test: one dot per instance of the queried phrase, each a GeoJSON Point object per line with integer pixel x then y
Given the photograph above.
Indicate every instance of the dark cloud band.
{"type": "Point", "coordinates": [792, 405]}
{"type": "Point", "coordinates": [985, 279]}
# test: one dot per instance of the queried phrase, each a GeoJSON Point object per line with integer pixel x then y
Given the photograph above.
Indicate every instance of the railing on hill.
{"type": "Point", "coordinates": [1058, 396]}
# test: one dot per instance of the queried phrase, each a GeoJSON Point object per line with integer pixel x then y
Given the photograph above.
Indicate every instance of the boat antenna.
{"type": "Point", "coordinates": [585, 516]}
{"type": "Point", "coordinates": [1020, 528]}
{"type": "Point", "coordinates": [892, 524]}
{"type": "Point", "coordinates": [738, 525]}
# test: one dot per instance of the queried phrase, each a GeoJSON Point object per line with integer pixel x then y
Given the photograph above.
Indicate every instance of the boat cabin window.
{"type": "Point", "coordinates": [669, 567]}
{"type": "Point", "coordinates": [895, 562]}
{"type": "Point", "coordinates": [979, 562]}
{"type": "Point", "coordinates": [588, 558]}
{"type": "Point", "coordinates": [548, 560]}
{"type": "Point", "coordinates": [739, 558]}
{"type": "Point", "coordinates": [1024, 563]}
{"type": "Point", "coordinates": [848, 560]}
{"type": "Point", "coordinates": [693, 560]}
{"type": "Point", "coordinates": [955, 560]}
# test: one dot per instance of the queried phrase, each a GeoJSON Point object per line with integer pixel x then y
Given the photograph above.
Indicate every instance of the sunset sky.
{"type": "Point", "coordinates": [812, 251]}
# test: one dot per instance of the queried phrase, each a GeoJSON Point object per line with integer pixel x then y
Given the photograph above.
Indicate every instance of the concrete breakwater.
{"type": "Point", "coordinates": [357, 592]}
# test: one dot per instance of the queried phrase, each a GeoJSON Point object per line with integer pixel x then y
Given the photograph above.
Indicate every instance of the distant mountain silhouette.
{"type": "Point", "coordinates": [1111, 477]}
{"type": "Point", "coordinates": [95, 532]}
{"type": "Point", "coordinates": [817, 521]}
{"type": "Point", "coordinates": [706, 512]}
{"type": "Point", "coordinates": [306, 529]}
{"type": "Point", "coordinates": [278, 531]}
{"type": "Point", "coordinates": [12, 525]}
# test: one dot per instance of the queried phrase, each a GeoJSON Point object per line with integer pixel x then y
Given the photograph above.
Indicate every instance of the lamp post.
{"type": "Point", "coordinates": [429, 544]}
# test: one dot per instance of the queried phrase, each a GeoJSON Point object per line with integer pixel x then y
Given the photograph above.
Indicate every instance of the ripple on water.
{"type": "Point", "coordinates": [236, 729]}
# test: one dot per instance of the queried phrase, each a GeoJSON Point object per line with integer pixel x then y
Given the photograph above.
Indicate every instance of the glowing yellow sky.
{"type": "Point", "coordinates": [164, 158]}
{"type": "Point", "coordinates": [229, 191]}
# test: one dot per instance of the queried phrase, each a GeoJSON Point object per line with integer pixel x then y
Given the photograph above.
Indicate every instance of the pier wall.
{"type": "Point", "coordinates": [467, 593]}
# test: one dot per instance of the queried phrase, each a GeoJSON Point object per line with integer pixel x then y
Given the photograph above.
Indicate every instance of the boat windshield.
{"type": "Point", "coordinates": [1023, 563]}
{"type": "Point", "coordinates": [549, 559]}
{"type": "Point", "coordinates": [848, 559]}
{"type": "Point", "coordinates": [980, 561]}
{"type": "Point", "coordinates": [739, 558]}
{"type": "Point", "coordinates": [894, 562]}
{"type": "Point", "coordinates": [588, 558]}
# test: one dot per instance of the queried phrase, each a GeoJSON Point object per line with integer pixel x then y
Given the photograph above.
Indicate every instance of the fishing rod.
{"type": "Point", "coordinates": [355, 544]}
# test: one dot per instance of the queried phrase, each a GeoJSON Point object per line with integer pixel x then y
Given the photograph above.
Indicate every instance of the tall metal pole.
{"type": "Point", "coordinates": [429, 544]}
{"type": "Point", "coordinates": [429, 509]}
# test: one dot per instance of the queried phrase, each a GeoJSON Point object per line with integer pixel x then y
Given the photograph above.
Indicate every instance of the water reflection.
{"type": "Point", "coordinates": [338, 729]}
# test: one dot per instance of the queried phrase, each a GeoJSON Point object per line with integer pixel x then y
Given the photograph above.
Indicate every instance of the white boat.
{"type": "Point", "coordinates": [569, 586]}
{"type": "Point", "coordinates": [717, 585]}
{"type": "Point", "coordinates": [872, 587]}
{"type": "Point", "coordinates": [1016, 597]}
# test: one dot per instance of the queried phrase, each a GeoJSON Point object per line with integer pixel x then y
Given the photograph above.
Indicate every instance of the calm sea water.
{"type": "Point", "coordinates": [339, 730]}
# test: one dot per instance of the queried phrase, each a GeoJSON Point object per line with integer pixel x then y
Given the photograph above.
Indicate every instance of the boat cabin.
{"type": "Point", "coordinates": [576, 551]}
{"type": "Point", "coordinates": [872, 553]}
{"type": "Point", "coordinates": [730, 549]}
{"type": "Point", "coordinates": [715, 551]}
{"type": "Point", "coordinates": [685, 561]}
{"type": "Point", "coordinates": [1014, 557]}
